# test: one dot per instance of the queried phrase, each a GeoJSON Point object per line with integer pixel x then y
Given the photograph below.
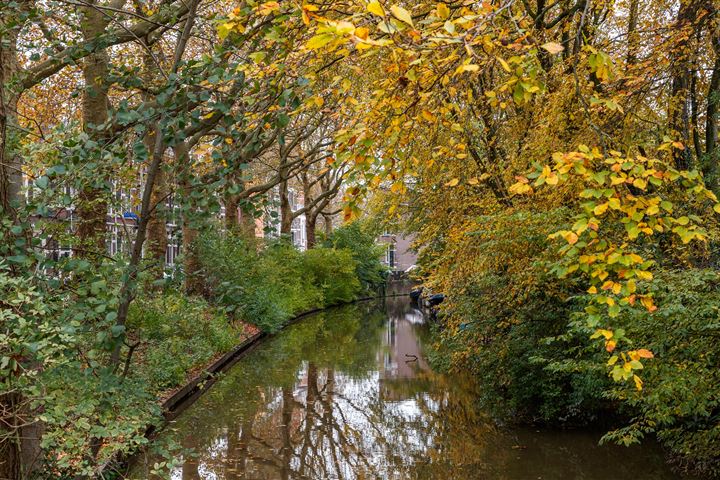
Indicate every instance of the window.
{"type": "Point", "coordinates": [115, 240]}
{"type": "Point", "coordinates": [390, 255]}
{"type": "Point", "coordinates": [297, 232]}
{"type": "Point", "coordinates": [173, 247]}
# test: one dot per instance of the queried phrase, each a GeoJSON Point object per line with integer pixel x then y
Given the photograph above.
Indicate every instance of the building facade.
{"type": "Point", "coordinates": [399, 255]}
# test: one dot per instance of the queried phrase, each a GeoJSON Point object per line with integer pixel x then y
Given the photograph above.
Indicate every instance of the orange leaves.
{"type": "Point", "coordinates": [428, 116]}
{"type": "Point", "coordinates": [615, 287]}
{"type": "Point", "coordinates": [307, 13]}
{"type": "Point", "coordinates": [608, 335]}
{"type": "Point", "coordinates": [362, 33]}
{"type": "Point", "coordinates": [621, 199]}
{"type": "Point", "coordinates": [640, 353]}
{"type": "Point", "coordinates": [521, 187]}
{"type": "Point", "coordinates": [268, 7]}
{"type": "Point", "coordinates": [547, 176]}
{"type": "Point", "coordinates": [625, 370]}
{"type": "Point", "coordinates": [647, 302]}
{"type": "Point", "coordinates": [570, 237]}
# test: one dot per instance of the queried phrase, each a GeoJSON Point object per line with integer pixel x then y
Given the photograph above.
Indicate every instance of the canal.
{"type": "Point", "coordinates": [348, 393]}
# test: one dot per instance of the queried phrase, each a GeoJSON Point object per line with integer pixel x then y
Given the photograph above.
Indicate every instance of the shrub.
{"type": "Point", "coordinates": [283, 266]}
{"type": "Point", "coordinates": [333, 273]}
{"type": "Point", "coordinates": [360, 239]}
{"type": "Point", "coordinates": [681, 398]}
{"type": "Point", "coordinates": [507, 322]}
{"type": "Point", "coordinates": [502, 308]}
{"type": "Point", "coordinates": [267, 286]}
{"type": "Point", "coordinates": [178, 334]}
{"type": "Point", "coordinates": [268, 283]}
{"type": "Point", "coordinates": [260, 286]}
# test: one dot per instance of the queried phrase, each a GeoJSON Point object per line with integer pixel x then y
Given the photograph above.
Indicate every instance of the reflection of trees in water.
{"type": "Point", "coordinates": [320, 402]}
{"type": "Point", "coordinates": [308, 404]}
{"type": "Point", "coordinates": [324, 433]}
{"type": "Point", "coordinates": [296, 436]}
{"type": "Point", "coordinates": [436, 432]}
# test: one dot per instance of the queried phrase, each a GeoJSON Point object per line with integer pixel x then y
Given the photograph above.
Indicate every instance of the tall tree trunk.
{"type": "Point", "coordinates": [247, 222]}
{"type": "Point", "coordinates": [310, 225]}
{"type": "Point", "coordinates": [679, 108]}
{"type": "Point", "coordinates": [16, 452]}
{"type": "Point", "coordinates": [128, 289]}
{"type": "Point", "coordinates": [328, 222]}
{"type": "Point", "coordinates": [695, 131]}
{"type": "Point", "coordinates": [10, 457]}
{"type": "Point", "coordinates": [286, 214]}
{"type": "Point", "coordinates": [92, 204]}
{"type": "Point", "coordinates": [157, 229]}
{"type": "Point", "coordinates": [231, 208]}
{"type": "Point", "coordinates": [20, 450]}
{"type": "Point", "coordinates": [191, 263]}
{"type": "Point", "coordinates": [156, 250]}
{"type": "Point", "coordinates": [10, 161]}
{"type": "Point", "coordinates": [712, 156]}
{"type": "Point", "coordinates": [632, 35]}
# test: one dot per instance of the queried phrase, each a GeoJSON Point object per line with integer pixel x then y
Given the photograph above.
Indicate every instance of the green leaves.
{"type": "Point", "coordinates": [117, 331]}
{"type": "Point", "coordinates": [42, 182]}
{"type": "Point", "coordinates": [283, 120]}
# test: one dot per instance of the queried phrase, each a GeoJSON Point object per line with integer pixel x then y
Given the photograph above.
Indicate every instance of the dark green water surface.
{"type": "Point", "coordinates": [347, 393]}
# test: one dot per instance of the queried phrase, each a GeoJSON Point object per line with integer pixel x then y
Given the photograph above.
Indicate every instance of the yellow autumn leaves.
{"type": "Point", "coordinates": [628, 195]}
{"type": "Point", "coordinates": [333, 33]}
{"type": "Point", "coordinates": [376, 8]}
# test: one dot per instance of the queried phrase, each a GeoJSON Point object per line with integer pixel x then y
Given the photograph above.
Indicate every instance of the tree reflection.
{"type": "Point", "coordinates": [343, 395]}
{"type": "Point", "coordinates": [347, 394]}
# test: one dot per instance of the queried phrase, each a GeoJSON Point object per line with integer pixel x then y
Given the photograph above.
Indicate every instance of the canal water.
{"type": "Point", "coordinates": [348, 393]}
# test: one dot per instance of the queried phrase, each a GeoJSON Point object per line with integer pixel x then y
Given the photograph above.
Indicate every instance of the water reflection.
{"type": "Point", "coordinates": [348, 394]}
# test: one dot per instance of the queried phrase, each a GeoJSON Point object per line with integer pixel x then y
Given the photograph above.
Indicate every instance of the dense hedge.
{"type": "Point", "coordinates": [268, 284]}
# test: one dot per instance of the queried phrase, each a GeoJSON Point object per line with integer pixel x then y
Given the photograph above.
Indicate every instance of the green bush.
{"type": "Point", "coordinates": [501, 311]}
{"type": "Point", "coordinates": [178, 334]}
{"type": "Point", "coordinates": [360, 238]}
{"type": "Point", "coordinates": [261, 286]}
{"type": "Point", "coordinates": [266, 285]}
{"type": "Point", "coordinates": [333, 273]}
{"type": "Point", "coordinates": [505, 345]}
{"type": "Point", "coordinates": [680, 401]}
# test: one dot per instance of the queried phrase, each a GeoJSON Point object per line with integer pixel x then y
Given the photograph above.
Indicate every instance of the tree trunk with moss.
{"type": "Point", "coordinates": [92, 201]}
